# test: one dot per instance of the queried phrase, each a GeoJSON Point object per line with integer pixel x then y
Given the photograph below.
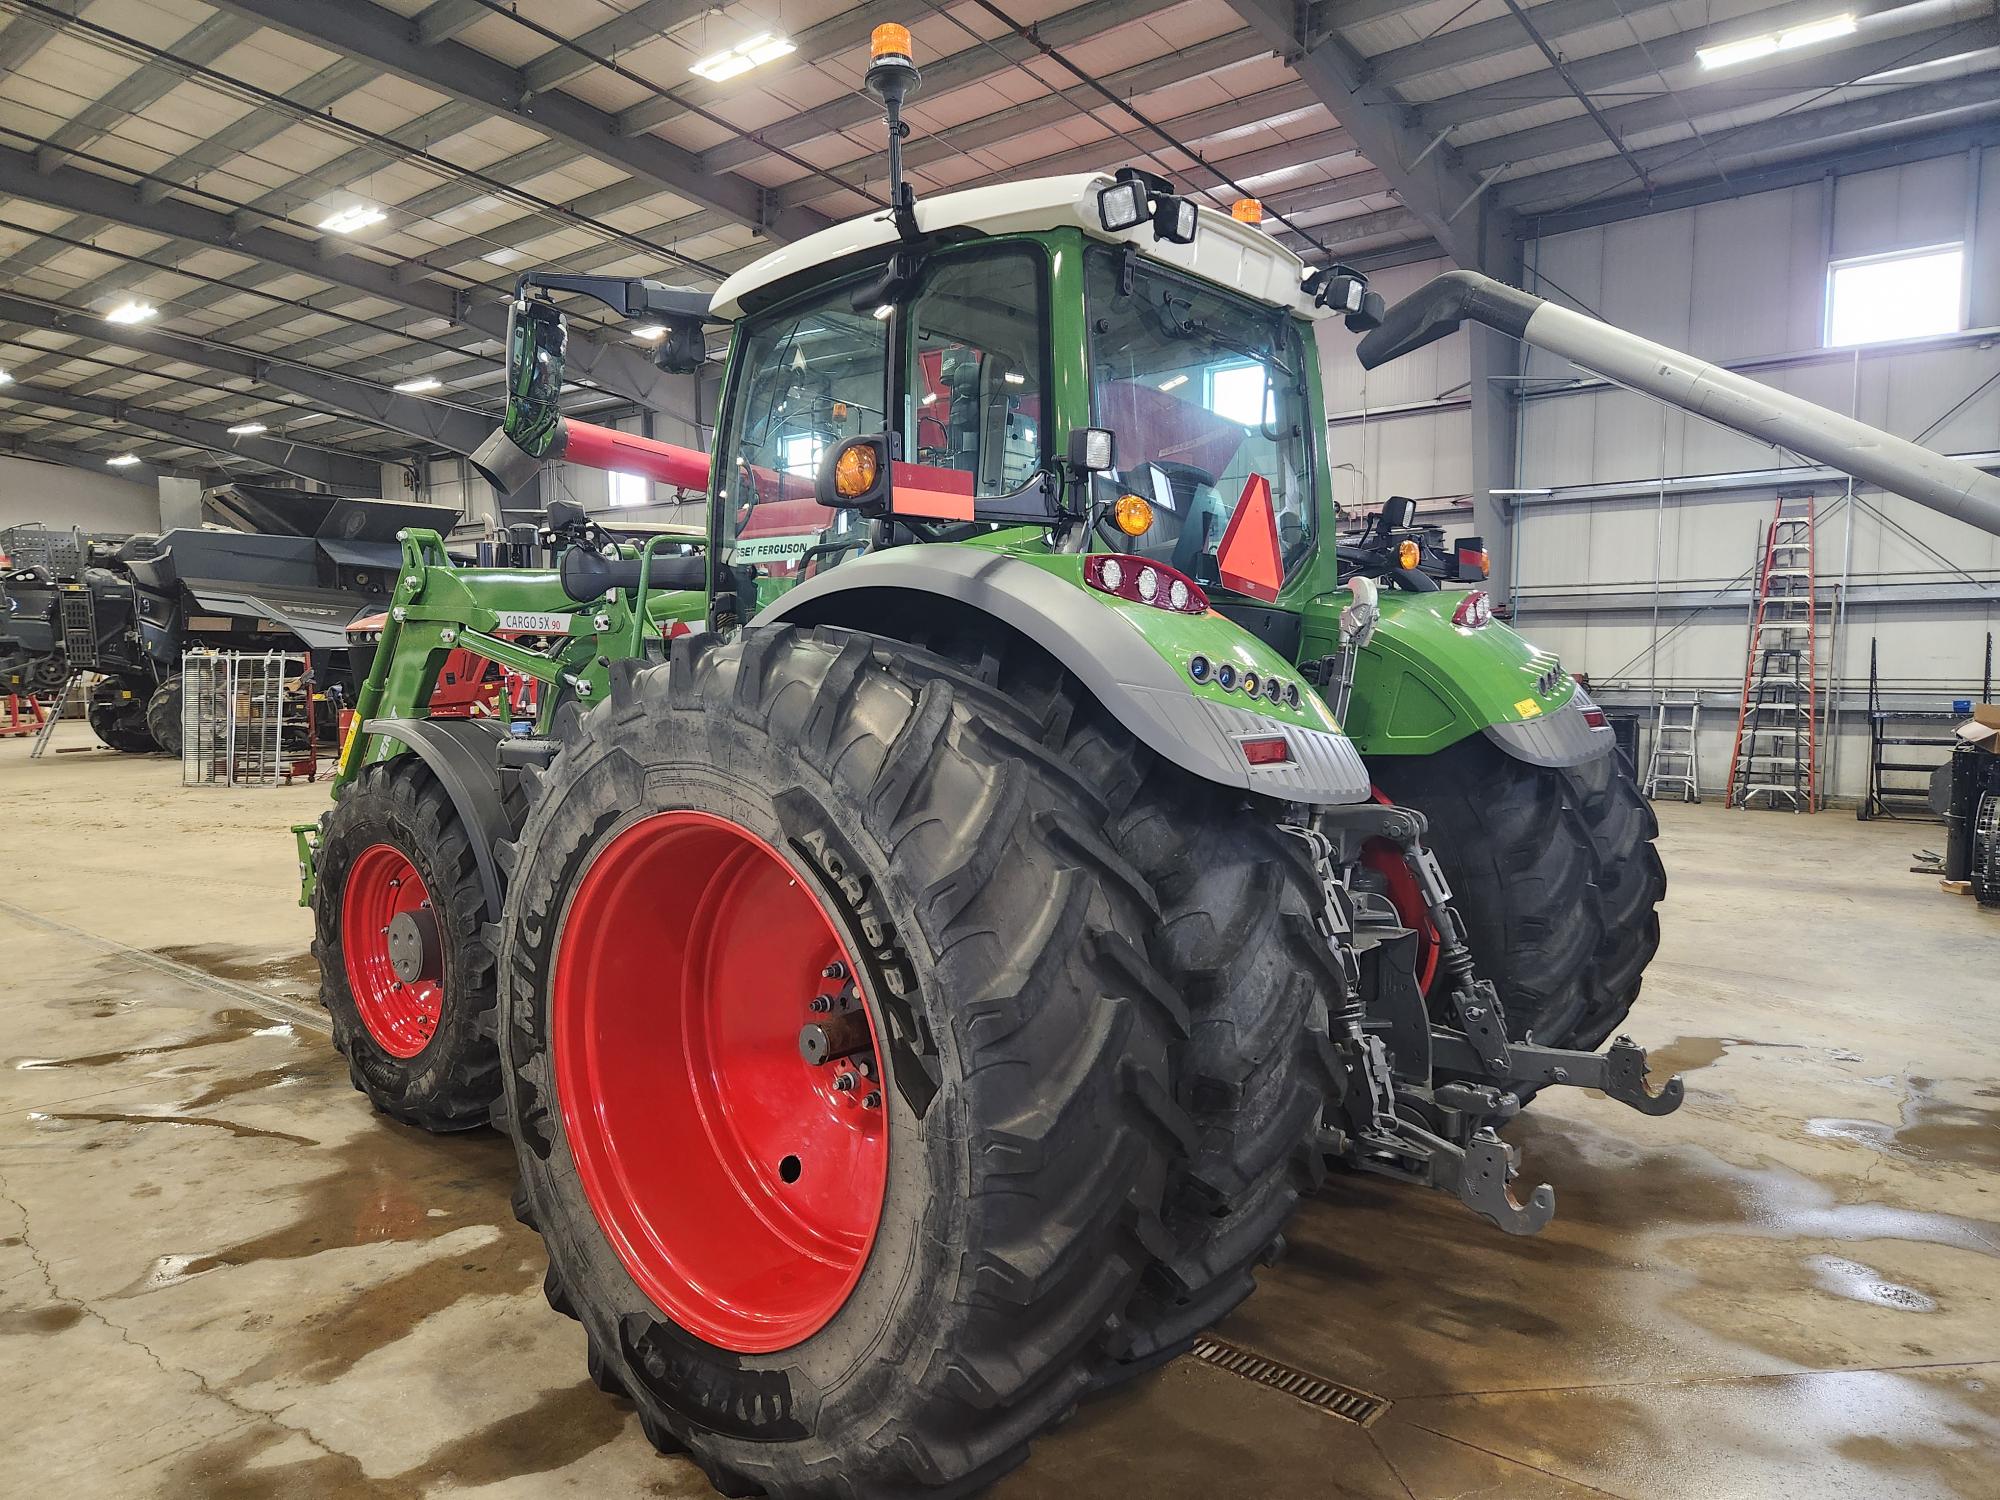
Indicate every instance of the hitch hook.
{"type": "Point", "coordinates": [1625, 1080]}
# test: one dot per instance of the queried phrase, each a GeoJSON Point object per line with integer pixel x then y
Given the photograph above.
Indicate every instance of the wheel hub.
{"type": "Point", "coordinates": [718, 1077]}
{"type": "Point", "coordinates": [394, 950]}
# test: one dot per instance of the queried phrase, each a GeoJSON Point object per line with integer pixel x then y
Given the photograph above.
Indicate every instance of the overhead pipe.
{"type": "Point", "coordinates": [1441, 305]}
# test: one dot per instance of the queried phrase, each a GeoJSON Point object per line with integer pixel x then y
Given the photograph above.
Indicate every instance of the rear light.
{"type": "Point", "coordinates": [1267, 750]}
{"type": "Point", "coordinates": [1595, 717]}
{"type": "Point", "coordinates": [1144, 582]}
{"type": "Point", "coordinates": [1474, 610]}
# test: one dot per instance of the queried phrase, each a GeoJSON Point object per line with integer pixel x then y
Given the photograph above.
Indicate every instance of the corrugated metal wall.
{"type": "Point", "coordinates": [1608, 579]}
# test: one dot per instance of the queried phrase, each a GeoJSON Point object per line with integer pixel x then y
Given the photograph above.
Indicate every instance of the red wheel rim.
{"type": "Point", "coordinates": [1407, 897]}
{"type": "Point", "coordinates": [400, 1009]}
{"type": "Point", "coordinates": [739, 1183]}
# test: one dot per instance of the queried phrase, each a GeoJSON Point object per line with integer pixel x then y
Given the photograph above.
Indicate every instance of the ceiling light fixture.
{"type": "Point", "coordinates": [650, 332]}
{"type": "Point", "coordinates": [1728, 54]}
{"type": "Point", "coordinates": [354, 216]}
{"type": "Point", "coordinates": [1174, 384]}
{"type": "Point", "coordinates": [420, 383]}
{"type": "Point", "coordinates": [123, 460]}
{"type": "Point", "coordinates": [6, 378]}
{"type": "Point", "coordinates": [131, 312]}
{"type": "Point", "coordinates": [247, 429]}
{"type": "Point", "coordinates": [882, 313]}
{"type": "Point", "coordinates": [730, 62]}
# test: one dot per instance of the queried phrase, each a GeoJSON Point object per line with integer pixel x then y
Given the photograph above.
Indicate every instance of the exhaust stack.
{"type": "Point", "coordinates": [1437, 308]}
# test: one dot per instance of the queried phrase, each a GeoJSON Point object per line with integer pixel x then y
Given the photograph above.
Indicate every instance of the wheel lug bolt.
{"type": "Point", "coordinates": [844, 1082]}
{"type": "Point", "coordinates": [873, 1099]}
{"type": "Point", "coordinates": [834, 970]}
{"type": "Point", "coordinates": [820, 1003]}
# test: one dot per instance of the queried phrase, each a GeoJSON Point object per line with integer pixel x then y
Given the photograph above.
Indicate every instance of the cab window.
{"type": "Point", "coordinates": [976, 357]}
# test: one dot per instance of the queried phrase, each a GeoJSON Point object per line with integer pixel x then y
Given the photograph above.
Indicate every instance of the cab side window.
{"type": "Point", "coordinates": [976, 356]}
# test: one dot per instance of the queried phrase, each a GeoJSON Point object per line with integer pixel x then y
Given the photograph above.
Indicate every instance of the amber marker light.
{"type": "Point", "coordinates": [1132, 515]}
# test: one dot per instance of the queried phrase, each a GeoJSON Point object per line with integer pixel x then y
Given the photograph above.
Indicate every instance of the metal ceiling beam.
{"type": "Point", "coordinates": [252, 129]}
{"type": "Point", "coordinates": [358, 475]}
{"type": "Point", "coordinates": [1199, 60]}
{"type": "Point", "coordinates": [1807, 74]}
{"type": "Point", "coordinates": [972, 64]}
{"type": "Point", "coordinates": [816, 44]}
{"type": "Point", "coordinates": [625, 371]}
{"type": "Point", "coordinates": [1497, 37]}
{"type": "Point", "coordinates": [1341, 233]}
{"type": "Point", "coordinates": [142, 474]}
{"type": "Point", "coordinates": [643, 22]}
{"type": "Point", "coordinates": [1426, 175]}
{"type": "Point", "coordinates": [1608, 70]}
{"type": "Point", "coordinates": [450, 427]}
{"type": "Point", "coordinates": [1338, 15]}
{"type": "Point", "coordinates": [29, 32]}
{"type": "Point", "coordinates": [1950, 103]}
{"type": "Point", "coordinates": [356, 28]}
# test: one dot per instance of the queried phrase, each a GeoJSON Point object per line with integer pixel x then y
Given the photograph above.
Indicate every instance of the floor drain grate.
{"type": "Point", "coordinates": [1316, 1391]}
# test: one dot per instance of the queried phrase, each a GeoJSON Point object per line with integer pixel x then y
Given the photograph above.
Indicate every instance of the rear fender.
{"type": "Point", "coordinates": [1423, 683]}
{"type": "Point", "coordinates": [1131, 657]}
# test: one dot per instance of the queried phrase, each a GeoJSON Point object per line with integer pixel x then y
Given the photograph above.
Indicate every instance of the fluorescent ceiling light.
{"type": "Point", "coordinates": [420, 383]}
{"type": "Point", "coordinates": [882, 313]}
{"type": "Point", "coordinates": [650, 331]}
{"type": "Point", "coordinates": [1520, 492]}
{"type": "Point", "coordinates": [354, 216]}
{"type": "Point", "coordinates": [247, 429]}
{"type": "Point", "coordinates": [1015, 377]}
{"type": "Point", "coordinates": [501, 257]}
{"type": "Point", "coordinates": [123, 460]}
{"type": "Point", "coordinates": [1175, 384]}
{"type": "Point", "coordinates": [5, 378]}
{"type": "Point", "coordinates": [131, 312]}
{"type": "Point", "coordinates": [930, 399]}
{"type": "Point", "coordinates": [1750, 48]}
{"type": "Point", "coordinates": [730, 62]}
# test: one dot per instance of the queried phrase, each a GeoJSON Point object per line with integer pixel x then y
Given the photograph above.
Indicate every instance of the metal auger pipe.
{"type": "Point", "coordinates": [1437, 308]}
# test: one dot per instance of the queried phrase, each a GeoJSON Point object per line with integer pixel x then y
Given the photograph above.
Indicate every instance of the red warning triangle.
{"type": "Point", "coordinates": [1248, 558]}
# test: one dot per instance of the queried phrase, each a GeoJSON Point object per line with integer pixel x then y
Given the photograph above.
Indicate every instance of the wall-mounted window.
{"type": "Point", "coordinates": [629, 489]}
{"type": "Point", "coordinates": [1906, 294]}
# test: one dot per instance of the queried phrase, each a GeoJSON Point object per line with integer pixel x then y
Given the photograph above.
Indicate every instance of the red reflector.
{"type": "Point", "coordinates": [1249, 559]}
{"type": "Point", "coordinates": [1595, 718]}
{"type": "Point", "coordinates": [1271, 750]}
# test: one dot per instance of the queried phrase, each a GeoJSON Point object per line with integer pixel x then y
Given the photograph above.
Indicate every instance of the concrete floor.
{"type": "Point", "coordinates": [222, 1276]}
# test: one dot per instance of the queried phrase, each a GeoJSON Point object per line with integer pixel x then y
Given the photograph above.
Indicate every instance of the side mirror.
{"type": "Point", "coordinates": [564, 514]}
{"type": "Point", "coordinates": [854, 475]}
{"type": "Point", "coordinates": [683, 349]}
{"type": "Point", "coordinates": [1370, 314]}
{"type": "Point", "coordinates": [1399, 513]}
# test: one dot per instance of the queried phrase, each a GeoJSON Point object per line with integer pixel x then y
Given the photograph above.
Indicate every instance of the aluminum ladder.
{"type": "Point", "coordinates": [1776, 754]}
{"type": "Point", "coordinates": [55, 714]}
{"type": "Point", "coordinates": [1675, 763]}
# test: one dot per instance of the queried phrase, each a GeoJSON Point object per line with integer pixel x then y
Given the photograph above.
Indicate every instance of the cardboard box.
{"type": "Point", "coordinates": [1983, 728]}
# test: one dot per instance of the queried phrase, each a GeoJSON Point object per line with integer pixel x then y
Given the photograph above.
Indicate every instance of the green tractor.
{"type": "Point", "coordinates": [938, 922]}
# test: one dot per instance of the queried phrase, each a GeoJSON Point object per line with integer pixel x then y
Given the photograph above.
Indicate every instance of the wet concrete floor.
{"type": "Point", "coordinates": [222, 1276]}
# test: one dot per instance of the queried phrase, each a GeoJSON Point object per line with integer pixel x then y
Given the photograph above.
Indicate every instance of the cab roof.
{"type": "Point", "coordinates": [1232, 254]}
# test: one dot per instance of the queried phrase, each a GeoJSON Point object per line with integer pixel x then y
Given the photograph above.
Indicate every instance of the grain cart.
{"type": "Point", "coordinates": [942, 918]}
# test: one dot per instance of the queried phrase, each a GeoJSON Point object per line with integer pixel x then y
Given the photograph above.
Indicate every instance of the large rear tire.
{"type": "Point", "coordinates": [1555, 874]}
{"type": "Point", "coordinates": [895, 821]}
{"type": "Point", "coordinates": [405, 972]}
{"type": "Point", "coordinates": [117, 714]}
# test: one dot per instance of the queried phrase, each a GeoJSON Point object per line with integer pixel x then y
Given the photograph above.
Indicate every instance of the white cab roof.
{"type": "Point", "coordinates": [1233, 254]}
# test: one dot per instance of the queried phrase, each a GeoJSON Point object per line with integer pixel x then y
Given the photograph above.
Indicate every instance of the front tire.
{"type": "Point", "coordinates": [163, 715]}
{"type": "Point", "coordinates": [895, 818]}
{"type": "Point", "coordinates": [405, 973]}
{"type": "Point", "coordinates": [117, 714]}
{"type": "Point", "coordinates": [1555, 874]}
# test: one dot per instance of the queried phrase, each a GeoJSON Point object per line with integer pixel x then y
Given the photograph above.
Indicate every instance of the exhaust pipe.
{"type": "Point", "coordinates": [1437, 308]}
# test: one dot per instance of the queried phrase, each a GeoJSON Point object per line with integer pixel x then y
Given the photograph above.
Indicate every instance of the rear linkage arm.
{"type": "Point", "coordinates": [1380, 1131]}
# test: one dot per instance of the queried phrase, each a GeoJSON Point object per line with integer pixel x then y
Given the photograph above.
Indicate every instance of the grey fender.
{"type": "Point", "coordinates": [1565, 737]}
{"type": "Point", "coordinates": [464, 755]}
{"type": "Point", "coordinates": [1107, 655]}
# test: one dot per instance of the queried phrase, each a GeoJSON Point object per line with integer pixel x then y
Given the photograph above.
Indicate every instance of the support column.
{"type": "Point", "coordinates": [1495, 368]}
{"type": "Point", "coordinates": [180, 503]}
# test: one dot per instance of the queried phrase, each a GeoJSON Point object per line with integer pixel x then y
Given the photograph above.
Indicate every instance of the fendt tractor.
{"type": "Point", "coordinates": [940, 921]}
{"type": "Point", "coordinates": [128, 609]}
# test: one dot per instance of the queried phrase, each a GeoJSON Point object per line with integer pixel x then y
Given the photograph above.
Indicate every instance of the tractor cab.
{"type": "Point", "coordinates": [1089, 363]}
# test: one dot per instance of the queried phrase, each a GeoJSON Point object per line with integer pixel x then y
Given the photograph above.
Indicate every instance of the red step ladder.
{"type": "Point", "coordinates": [1776, 754]}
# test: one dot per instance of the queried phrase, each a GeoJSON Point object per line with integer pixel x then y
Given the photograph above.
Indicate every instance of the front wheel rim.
{"type": "Point", "coordinates": [740, 1183]}
{"type": "Point", "coordinates": [398, 991]}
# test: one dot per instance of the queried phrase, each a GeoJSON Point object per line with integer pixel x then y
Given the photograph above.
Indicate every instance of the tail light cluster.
{"type": "Point", "coordinates": [1474, 610]}
{"type": "Point", "coordinates": [1144, 582]}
